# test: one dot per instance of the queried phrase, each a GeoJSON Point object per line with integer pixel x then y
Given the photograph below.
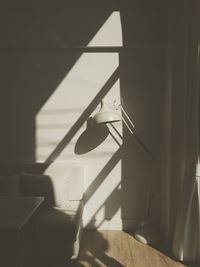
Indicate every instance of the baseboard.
{"type": "Point", "coordinates": [113, 224]}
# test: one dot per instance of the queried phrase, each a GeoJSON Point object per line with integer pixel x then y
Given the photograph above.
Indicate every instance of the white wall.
{"type": "Point", "coordinates": [52, 82]}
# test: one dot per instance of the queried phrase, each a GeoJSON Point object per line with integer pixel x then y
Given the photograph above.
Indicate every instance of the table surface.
{"type": "Point", "coordinates": [16, 211]}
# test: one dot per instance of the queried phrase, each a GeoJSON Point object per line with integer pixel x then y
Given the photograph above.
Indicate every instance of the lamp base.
{"type": "Point", "coordinates": [148, 234]}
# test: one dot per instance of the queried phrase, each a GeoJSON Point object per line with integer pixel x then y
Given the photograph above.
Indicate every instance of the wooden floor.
{"type": "Point", "coordinates": [117, 249]}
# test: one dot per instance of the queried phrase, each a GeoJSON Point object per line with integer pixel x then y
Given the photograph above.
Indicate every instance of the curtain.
{"type": "Point", "coordinates": [186, 238]}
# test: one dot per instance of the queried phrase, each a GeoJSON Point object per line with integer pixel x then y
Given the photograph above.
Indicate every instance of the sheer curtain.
{"type": "Point", "coordinates": [186, 238]}
{"type": "Point", "coordinates": [180, 213]}
{"type": "Point", "coordinates": [186, 241]}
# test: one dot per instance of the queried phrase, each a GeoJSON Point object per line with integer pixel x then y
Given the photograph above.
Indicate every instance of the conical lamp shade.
{"type": "Point", "coordinates": [106, 115]}
{"type": "Point", "coordinates": [92, 137]}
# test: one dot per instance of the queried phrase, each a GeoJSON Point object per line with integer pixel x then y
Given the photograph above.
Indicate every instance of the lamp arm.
{"type": "Point", "coordinates": [143, 146]}
{"type": "Point", "coordinates": [124, 116]}
{"type": "Point", "coordinates": [127, 117]}
{"type": "Point", "coordinates": [136, 138]}
{"type": "Point", "coordinates": [128, 127]}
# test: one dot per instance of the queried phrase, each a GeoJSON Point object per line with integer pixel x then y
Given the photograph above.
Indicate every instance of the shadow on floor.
{"type": "Point", "coordinates": [93, 253]}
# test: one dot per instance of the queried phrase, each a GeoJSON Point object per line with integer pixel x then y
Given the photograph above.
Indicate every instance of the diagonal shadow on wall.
{"type": "Point", "coordinates": [34, 61]}
{"type": "Point", "coordinates": [84, 116]}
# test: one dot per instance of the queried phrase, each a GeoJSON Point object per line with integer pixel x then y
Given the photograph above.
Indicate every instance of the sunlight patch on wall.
{"type": "Point", "coordinates": [70, 99]}
{"type": "Point", "coordinates": [105, 204]}
{"type": "Point", "coordinates": [68, 103]}
{"type": "Point", "coordinates": [110, 34]}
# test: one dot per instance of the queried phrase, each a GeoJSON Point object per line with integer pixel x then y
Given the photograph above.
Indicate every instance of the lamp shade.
{"type": "Point", "coordinates": [92, 137]}
{"type": "Point", "coordinates": [106, 115]}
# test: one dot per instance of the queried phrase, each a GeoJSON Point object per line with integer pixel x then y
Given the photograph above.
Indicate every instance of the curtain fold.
{"type": "Point", "coordinates": [186, 243]}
